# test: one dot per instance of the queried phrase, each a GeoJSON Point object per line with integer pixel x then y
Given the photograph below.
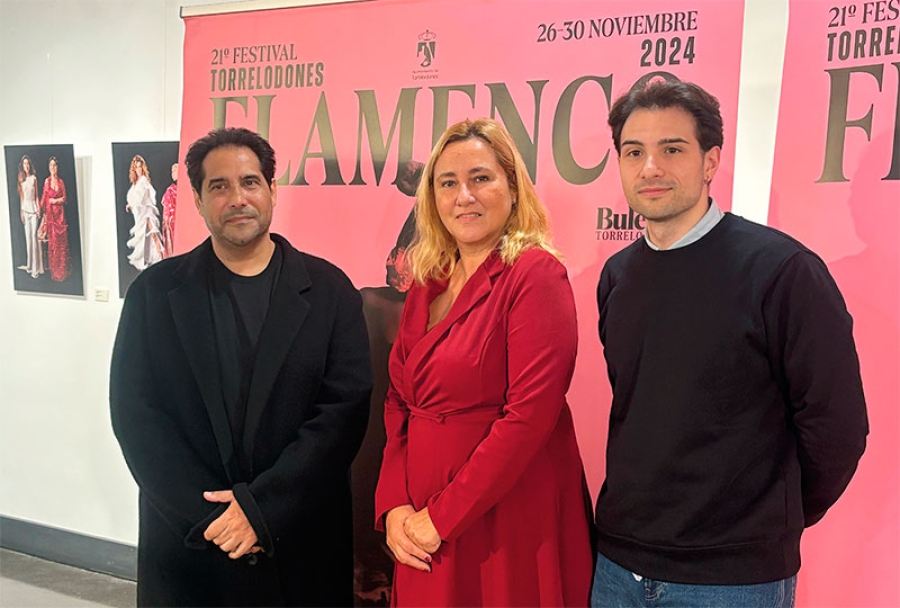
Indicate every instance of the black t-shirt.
{"type": "Point", "coordinates": [239, 307]}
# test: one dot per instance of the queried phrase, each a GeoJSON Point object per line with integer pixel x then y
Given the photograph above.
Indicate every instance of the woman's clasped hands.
{"type": "Point", "coordinates": [412, 537]}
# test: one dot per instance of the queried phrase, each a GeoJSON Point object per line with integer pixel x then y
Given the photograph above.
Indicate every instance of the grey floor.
{"type": "Point", "coordinates": [29, 582]}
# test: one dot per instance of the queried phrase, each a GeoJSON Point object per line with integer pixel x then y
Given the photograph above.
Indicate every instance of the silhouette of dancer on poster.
{"type": "Point", "coordinates": [382, 307]}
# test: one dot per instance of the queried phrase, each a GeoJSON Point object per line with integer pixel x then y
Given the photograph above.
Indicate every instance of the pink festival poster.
{"type": "Point", "coordinates": [353, 95]}
{"type": "Point", "coordinates": [836, 188]}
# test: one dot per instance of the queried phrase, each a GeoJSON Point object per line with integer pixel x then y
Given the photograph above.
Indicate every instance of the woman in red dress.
{"type": "Point", "coordinates": [53, 206]}
{"type": "Point", "coordinates": [169, 200]}
{"type": "Point", "coordinates": [482, 490]}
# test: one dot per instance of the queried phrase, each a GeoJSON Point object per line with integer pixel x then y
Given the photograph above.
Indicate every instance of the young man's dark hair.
{"type": "Point", "coordinates": [232, 136]}
{"type": "Point", "coordinates": [660, 95]}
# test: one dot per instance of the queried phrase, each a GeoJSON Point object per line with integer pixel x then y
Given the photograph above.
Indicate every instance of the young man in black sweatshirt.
{"type": "Point", "coordinates": [738, 416]}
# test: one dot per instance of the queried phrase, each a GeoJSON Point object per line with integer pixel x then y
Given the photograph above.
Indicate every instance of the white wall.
{"type": "Point", "coordinates": [90, 72]}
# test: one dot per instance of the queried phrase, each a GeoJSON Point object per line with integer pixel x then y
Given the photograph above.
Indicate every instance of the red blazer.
{"type": "Point", "coordinates": [478, 429]}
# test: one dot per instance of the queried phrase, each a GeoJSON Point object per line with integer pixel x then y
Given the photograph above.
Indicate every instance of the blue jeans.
{"type": "Point", "coordinates": [616, 587]}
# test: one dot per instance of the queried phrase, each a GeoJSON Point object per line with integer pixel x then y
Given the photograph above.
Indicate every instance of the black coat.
{"type": "Point", "coordinates": [306, 414]}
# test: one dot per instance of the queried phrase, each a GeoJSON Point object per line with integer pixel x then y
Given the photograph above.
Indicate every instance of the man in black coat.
{"type": "Point", "coordinates": [239, 393]}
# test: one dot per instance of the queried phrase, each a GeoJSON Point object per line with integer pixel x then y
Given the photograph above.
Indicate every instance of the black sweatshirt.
{"type": "Point", "coordinates": [738, 415]}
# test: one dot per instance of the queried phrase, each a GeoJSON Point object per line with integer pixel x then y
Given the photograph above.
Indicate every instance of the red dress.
{"type": "Point", "coordinates": [58, 257]}
{"type": "Point", "coordinates": [478, 429]}
{"type": "Point", "coordinates": [169, 200]}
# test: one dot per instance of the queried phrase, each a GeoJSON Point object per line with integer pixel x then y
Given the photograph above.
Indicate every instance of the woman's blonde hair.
{"type": "Point", "coordinates": [433, 253]}
{"type": "Point", "coordinates": [132, 174]}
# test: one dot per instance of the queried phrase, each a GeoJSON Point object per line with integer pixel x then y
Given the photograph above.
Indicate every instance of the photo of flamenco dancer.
{"type": "Point", "coordinates": [382, 307]}
{"type": "Point", "coordinates": [44, 219]}
{"type": "Point", "coordinates": [145, 176]}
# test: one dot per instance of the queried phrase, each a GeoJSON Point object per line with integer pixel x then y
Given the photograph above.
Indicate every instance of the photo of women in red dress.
{"type": "Point", "coordinates": [45, 232]}
{"type": "Point", "coordinates": [54, 228]}
{"type": "Point", "coordinates": [169, 200]}
{"type": "Point", "coordinates": [30, 214]}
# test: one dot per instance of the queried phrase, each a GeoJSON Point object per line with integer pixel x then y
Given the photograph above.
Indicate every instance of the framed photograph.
{"type": "Point", "coordinates": [146, 186]}
{"type": "Point", "coordinates": [45, 231]}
